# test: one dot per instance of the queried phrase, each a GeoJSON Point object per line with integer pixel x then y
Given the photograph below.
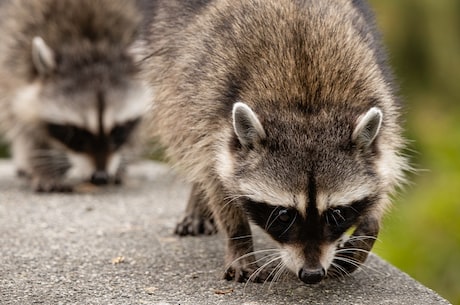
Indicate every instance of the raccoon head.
{"type": "Point", "coordinates": [306, 181]}
{"type": "Point", "coordinates": [86, 105]}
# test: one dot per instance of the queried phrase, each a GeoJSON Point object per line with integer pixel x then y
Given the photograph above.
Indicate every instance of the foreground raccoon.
{"type": "Point", "coordinates": [282, 112]}
{"type": "Point", "coordinates": [69, 88]}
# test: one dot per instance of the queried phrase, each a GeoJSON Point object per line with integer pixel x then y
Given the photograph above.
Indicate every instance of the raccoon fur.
{"type": "Point", "coordinates": [283, 113]}
{"type": "Point", "coordinates": [70, 90]}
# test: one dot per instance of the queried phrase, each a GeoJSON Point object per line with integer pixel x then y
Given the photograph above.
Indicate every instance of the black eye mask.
{"type": "Point", "coordinates": [82, 141]}
{"type": "Point", "coordinates": [286, 225]}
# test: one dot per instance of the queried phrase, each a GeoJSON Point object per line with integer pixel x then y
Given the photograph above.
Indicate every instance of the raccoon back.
{"type": "Point", "coordinates": [316, 63]}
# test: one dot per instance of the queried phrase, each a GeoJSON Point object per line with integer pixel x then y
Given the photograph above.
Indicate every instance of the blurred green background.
{"type": "Point", "coordinates": [421, 235]}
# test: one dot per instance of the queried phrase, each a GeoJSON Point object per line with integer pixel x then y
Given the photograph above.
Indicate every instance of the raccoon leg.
{"type": "Point", "coordinates": [47, 169]}
{"type": "Point", "coordinates": [20, 149]}
{"type": "Point", "coordinates": [356, 249]}
{"type": "Point", "coordinates": [198, 219]}
{"type": "Point", "coordinates": [240, 261]}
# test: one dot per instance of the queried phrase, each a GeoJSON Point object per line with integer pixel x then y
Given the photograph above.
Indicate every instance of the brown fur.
{"type": "Point", "coordinates": [309, 70]}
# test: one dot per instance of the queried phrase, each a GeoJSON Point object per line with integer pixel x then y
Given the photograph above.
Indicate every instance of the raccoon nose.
{"type": "Point", "coordinates": [99, 178]}
{"type": "Point", "coordinates": [311, 275]}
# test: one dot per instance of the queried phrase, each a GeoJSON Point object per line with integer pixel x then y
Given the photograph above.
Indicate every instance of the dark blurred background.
{"type": "Point", "coordinates": [421, 235]}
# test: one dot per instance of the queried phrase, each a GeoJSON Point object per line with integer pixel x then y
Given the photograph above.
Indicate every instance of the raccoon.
{"type": "Point", "coordinates": [70, 90]}
{"type": "Point", "coordinates": [283, 113]}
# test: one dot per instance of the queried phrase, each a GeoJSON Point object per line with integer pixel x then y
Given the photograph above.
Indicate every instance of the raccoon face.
{"type": "Point", "coordinates": [306, 188]}
{"type": "Point", "coordinates": [89, 115]}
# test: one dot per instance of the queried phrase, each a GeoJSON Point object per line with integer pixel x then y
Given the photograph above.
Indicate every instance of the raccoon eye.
{"type": "Point", "coordinates": [280, 220]}
{"type": "Point", "coordinates": [71, 136]}
{"type": "Point", "coordinates": [339, 217]}
{"type": "Point", "coordinates": [120, 133]}
{"type": "Point", "coordinates": [284, 215]}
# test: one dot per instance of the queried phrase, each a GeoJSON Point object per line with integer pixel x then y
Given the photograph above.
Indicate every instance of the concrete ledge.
{"type": "Point", "coordinates": [116, 246]}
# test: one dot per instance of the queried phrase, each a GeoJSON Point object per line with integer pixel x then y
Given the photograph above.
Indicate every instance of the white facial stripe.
{"type": "Point", "coordinates": [301, 203]}
{"type": "Point", "coordinates": [322, 201]}
{"type": "Point", "coordinates": [260, 192]}
{"type": "Point", "coordinates": [294, 258]}
{"type": "Point", "coordinates": [132, 106]}
{"type": "Point", "coordinates": [82, 166]}
{"type": "Point", "coordinates": [57, 115]}
{"type": "Point", "coordinates": [109, 120]}
{"type": "Point", "coordinates": [344, 197]}
{"type": "Point", "coordinates": [113, 164]}
{"type": "Point", "coordinates": [28, 107]}
{"type": "Point", "coordinates": [92, 121]}
{"type": "Point", "coordinates": [327, 255]}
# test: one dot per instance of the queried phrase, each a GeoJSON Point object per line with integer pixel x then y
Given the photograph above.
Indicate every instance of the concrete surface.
{"type": "Point", "coordinates": [115, 246]}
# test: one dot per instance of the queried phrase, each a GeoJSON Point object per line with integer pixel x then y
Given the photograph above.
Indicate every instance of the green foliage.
{"type": "Point", "coordinates": [3, 149]}
{"type": "Point", "coordinates": [422, 234]}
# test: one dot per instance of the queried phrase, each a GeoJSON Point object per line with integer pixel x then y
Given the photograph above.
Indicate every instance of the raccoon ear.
{"type": "Point", "coordinates": [247, 126]}
{"type": "Point", "coordinates": [42, 56]}
{"type": "Point", "coordinates": [367, 128]}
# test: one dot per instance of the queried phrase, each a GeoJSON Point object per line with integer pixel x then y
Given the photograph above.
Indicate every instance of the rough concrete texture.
{"type": "Point", "coordinates": [115, 246]}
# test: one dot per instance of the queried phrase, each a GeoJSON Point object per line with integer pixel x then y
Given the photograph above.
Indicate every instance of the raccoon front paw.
{"type": "Point", "coordinates": [244, 272]}
{"type": "Point", "coordinates": [41, 186]}
{"type": "Point", "coordinates": [196, 225]}
{"type": "Point", "coordinates": [23, 174]}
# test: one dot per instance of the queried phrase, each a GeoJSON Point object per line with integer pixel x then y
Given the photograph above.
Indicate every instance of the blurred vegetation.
{"type": "Point", "coordinates": [4, 152]}
{"type": "Point", "coordinates": [421, 235]}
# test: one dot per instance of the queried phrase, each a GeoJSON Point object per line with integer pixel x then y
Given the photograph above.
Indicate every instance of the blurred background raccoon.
{"type": "Point", "coordinates": [282, 112]}
{"type": "Point", "coordinates": [70, 94]}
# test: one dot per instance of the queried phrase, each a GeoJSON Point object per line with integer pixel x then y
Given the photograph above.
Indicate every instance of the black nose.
{"type": "Point", "coordinates": [100, 178]}
{"type": "Point", "coordinates": [311, 275]}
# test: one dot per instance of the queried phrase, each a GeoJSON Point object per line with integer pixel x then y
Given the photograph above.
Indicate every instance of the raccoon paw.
{"type": "Point", "coordinates": [196, 225]}
{"type": "Point", "coordinates": [242, 273]}
{"type": "Point", "coordinates": [23, 174]}
{"type": "Point", "coordinates": [41, 186]}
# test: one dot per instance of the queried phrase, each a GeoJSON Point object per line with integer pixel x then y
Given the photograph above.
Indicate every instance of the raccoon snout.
{"type": "Point", "coordinates": [99, 178]}
{"type": "Point", "coordinates": [311, 275]}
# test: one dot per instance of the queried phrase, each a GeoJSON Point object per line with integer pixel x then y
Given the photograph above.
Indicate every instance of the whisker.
{"type": "Point", "coordinates": [253, 253]}
{"type": "Point", "coordinates": [229, 200]}
{"type": "Point", "coordinates": [344, 250]}
{"type": "Point", "coordinates": [341, 272]}
{"type": "Point", "coordinates": [335, 220]}
{"type": "Point", "coordinates": [269, 223]}
{"type": "Point", "coordinates": [281, 269]}
{"type": "Point", "coordinates": [261, 268]}
{"type": "Point", "coordinates": [359, 265]}
{"type": "Point", "coordinates": [290, 225]}
{"type": "Point", "coordinates": [360, 237]}
{"type": "Point", "coordinates": [240, 237]}
{"type": "Point", "coordinates": [274, 270]}
{"type": "Point", "coordinates": [232, 198]}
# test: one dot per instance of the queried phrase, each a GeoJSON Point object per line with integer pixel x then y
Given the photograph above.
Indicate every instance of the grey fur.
{"type": "Point", "coordinates": [309, 71]}
{"type": "Point", "coordinates": [63, 62]}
